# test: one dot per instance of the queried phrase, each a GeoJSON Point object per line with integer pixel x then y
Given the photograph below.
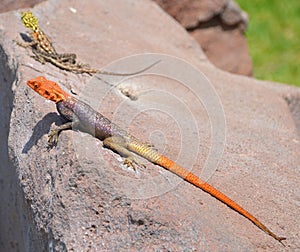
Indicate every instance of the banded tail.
{"type": "Point", "coordinates": [154, 157]}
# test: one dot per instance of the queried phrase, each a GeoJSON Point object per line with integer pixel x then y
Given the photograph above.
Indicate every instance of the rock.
{"type": "Point", "coordinates": [8, 5]}
{"type": "Point", "coordinates": [219, 28]}
{"type": "Point", "coordinates": [190, 13]}
{"type": "Point", "coordinates": [78, 196]}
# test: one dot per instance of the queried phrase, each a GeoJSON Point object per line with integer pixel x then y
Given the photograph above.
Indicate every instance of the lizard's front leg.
{"type": "Point", "coordinates": [26, 44]}
{"type": "Point", "coordinates": [54, 133]}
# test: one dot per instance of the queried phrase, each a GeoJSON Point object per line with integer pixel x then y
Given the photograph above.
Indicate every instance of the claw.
{"type": "Point", "coordinates": [132, 162]}
{"type": "Point", "coordinates": [53, 137]}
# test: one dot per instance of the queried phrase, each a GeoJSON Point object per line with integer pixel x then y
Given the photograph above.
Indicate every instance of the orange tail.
{"type": "Point", "coordinates": [193, 179]}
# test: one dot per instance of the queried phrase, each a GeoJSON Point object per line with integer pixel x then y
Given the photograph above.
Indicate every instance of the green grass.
{"type": "Point", "coordinates": [273, 37]}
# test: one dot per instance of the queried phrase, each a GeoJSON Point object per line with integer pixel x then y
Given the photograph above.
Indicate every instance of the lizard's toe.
{"type": "Point", "coordinates": [53, 137]}
{"type": "Point", "coordinates": [129, 163]}
{"type": "Point", "coordinates": [133, 162]}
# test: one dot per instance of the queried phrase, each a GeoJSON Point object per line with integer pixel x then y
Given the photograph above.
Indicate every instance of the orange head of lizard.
{"type": "Point", "coordinates": [48, 89]}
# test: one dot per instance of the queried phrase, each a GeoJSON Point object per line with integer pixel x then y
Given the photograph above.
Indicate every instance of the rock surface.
{"type": "Point", "coordinates": [78, 196]}
{"type": "Point", "coordinates": [9, 5]}
{"type": "Point", "coordinates": [219, 28]}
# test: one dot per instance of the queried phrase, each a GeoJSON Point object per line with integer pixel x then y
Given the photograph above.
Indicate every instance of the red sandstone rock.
{"type": "Point", "coordinates": [219, 28]}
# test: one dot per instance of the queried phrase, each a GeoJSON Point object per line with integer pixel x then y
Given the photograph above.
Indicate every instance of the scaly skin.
{"type": "Point", "coordinates": [37, 35]}
{"type": "Point", "coordinates": [45, 52]}
{"type": "Point", "coordinates": [117, 139]}
{"type": "Point", "coordinates": [41, 43]}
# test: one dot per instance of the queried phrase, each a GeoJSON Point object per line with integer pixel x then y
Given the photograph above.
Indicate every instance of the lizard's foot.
{"type": "Point", "coordinates": [53, 137]}
{"type": "Point", "coordinates": [22, 44]}
{"type": "Point", "coordinates": [132, 162]}
{"type": "Point", "coordinates": [67, 58]}
{"type": "Point", "coordinates": [83, 65]}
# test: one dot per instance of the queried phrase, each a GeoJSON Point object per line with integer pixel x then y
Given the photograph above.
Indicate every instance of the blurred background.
{"type": "Point", "coordinates": [273, 36]}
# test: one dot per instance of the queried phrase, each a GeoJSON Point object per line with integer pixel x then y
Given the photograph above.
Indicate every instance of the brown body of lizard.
{"type": "Point", "coordinates": [82, 116]}
{"type": "Point", "coordinates": [44, 51]}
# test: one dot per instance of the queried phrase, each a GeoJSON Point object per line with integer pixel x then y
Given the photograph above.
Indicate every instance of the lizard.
{"type": "Point", "coordinates": [80, 115]}
{"type": "Point", "coordinates": [44, 51]}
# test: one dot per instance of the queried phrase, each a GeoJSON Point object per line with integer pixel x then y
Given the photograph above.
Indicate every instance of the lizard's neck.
{"type": "Point", "coordinates": [45, 42]}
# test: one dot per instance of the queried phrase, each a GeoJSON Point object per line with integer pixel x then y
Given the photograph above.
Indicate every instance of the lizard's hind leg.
{"type": "Point", "coordinates": [118, 144]}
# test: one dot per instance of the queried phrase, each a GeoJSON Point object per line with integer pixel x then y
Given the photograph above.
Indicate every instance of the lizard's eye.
{"type": "Point", "coordinates": [35, 85]}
